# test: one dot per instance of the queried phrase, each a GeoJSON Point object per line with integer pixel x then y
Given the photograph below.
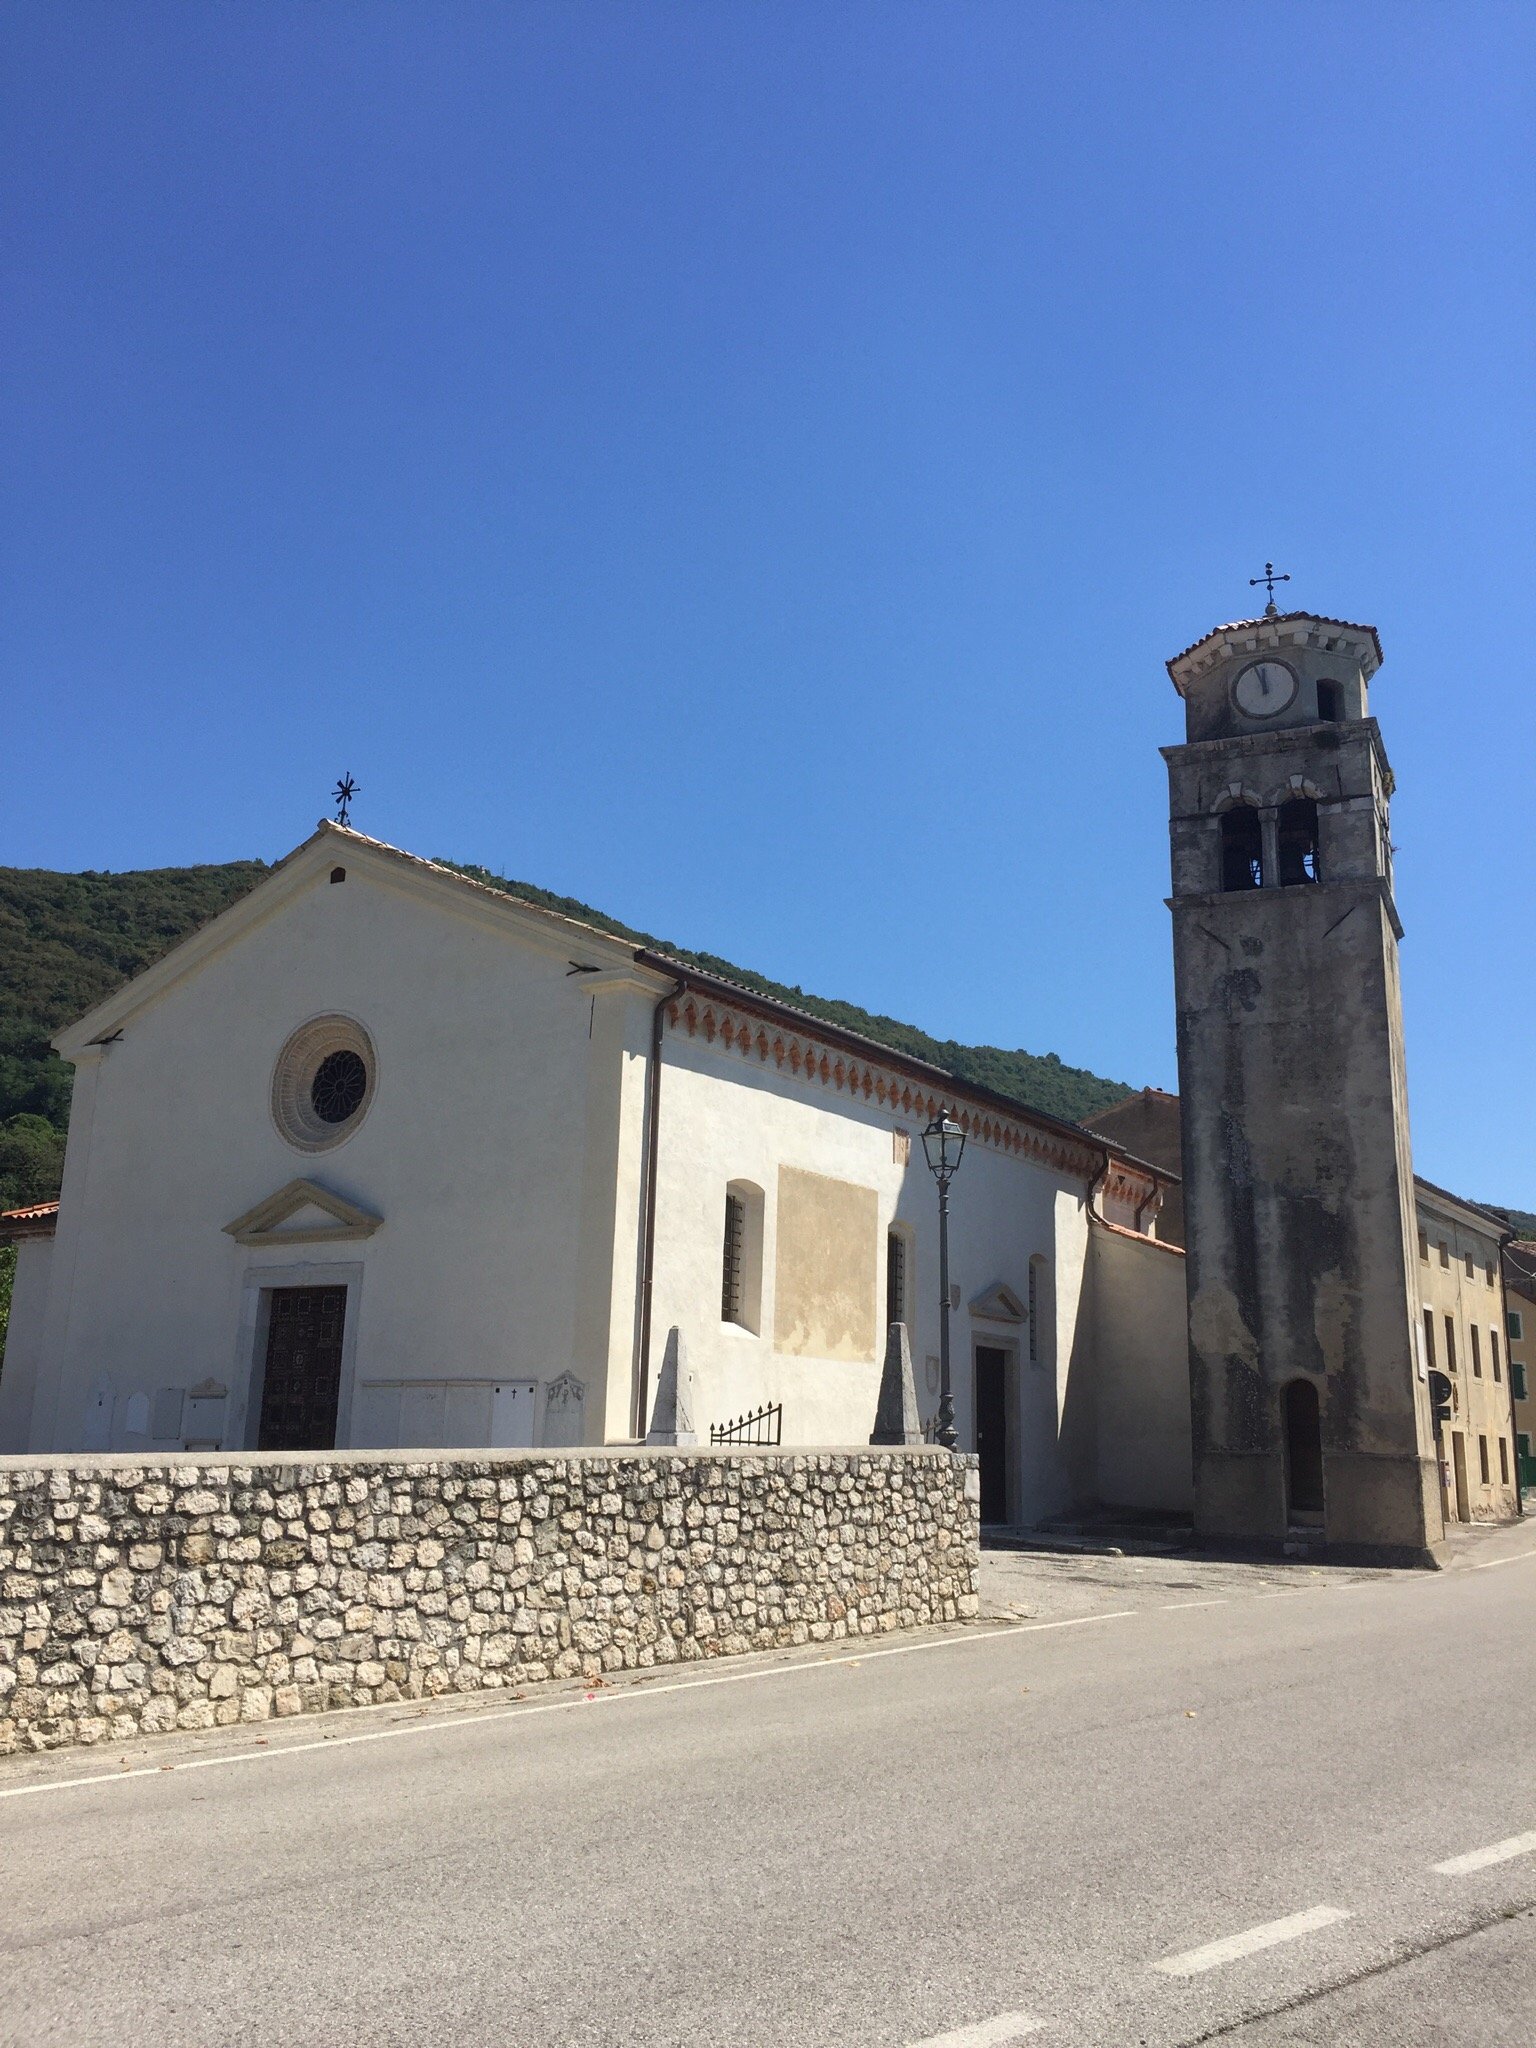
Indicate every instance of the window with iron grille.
{"type": "Point", "coordinates": [1429, 1338]}
{"type": "Point", "coordinates": [731, 1263]}
{"type": "Point", "coordinates": [895, 1278]}
{"type": "Point", "coordinates": [1450, 1343]}
{"type": "Point", "coordinates": [1493, 1354]}
{"type": "Point", "coordinates": [1477, 1354]}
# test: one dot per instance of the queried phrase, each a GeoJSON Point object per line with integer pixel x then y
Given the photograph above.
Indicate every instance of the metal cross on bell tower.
{"type": "Point", "coordinates": [1269, 579]}
{"type": "Point", "coordinates": [342, 797]}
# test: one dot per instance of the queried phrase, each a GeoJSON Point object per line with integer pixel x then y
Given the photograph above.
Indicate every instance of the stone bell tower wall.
{"type": "Point", "coordinates": [1298, 1177]}
{"type": "Point", "coordinates": [1294, 1191]}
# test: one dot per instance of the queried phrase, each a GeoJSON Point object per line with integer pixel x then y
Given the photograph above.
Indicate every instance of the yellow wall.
{"type": "Point", "coordinates": [1474, 1304]}
{"type": "Point", "coordinates": [1520, 1303]}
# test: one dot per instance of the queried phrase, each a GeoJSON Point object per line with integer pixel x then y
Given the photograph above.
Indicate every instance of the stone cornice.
{"type": "Point", "coordinates": [1289, 629]}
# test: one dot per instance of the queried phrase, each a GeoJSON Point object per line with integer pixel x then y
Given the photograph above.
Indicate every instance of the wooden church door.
{"type": "Point", "coordinates": [991, 1412]}
{"type": "Point", "coordinates": [302, 1384]}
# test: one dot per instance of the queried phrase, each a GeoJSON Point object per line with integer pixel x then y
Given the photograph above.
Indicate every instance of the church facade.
{"type": "Point", "coordinates": [385, 1157]}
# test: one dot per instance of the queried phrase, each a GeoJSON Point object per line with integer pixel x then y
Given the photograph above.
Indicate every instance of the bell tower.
{"type": "Point", "coordinates": [1310, 1405]}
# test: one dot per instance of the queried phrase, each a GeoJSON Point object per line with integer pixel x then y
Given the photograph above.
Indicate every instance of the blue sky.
{"type": "Point", "coordinates": [746, 466]}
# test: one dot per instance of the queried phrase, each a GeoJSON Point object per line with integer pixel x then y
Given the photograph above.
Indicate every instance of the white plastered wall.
{"type": "Point", "coordinates": [729, 1119]}
{"type": "Point", "coordinates": [1141, 1377]}
{"type": "Point", "coordinates": [491, 1150]}
{"type": "Point", "coordinates": [24, 1339]}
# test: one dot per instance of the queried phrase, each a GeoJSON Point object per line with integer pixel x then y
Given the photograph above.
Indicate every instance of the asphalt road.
{"type": "Point", "coordinates": [1200, 1803]}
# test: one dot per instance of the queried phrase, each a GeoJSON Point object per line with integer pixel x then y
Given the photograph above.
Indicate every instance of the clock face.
{"type": "Point", "coordinates": [1263, 688]}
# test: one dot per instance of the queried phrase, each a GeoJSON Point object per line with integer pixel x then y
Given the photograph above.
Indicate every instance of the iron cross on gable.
{"type": "Point", "coordinates": [344, 792]}
{"type": "Point", "coordinates": [1269, 579]}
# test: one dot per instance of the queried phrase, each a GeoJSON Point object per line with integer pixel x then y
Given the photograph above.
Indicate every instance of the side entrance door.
{"type": "Point", "coordinates": [992, 1430]}
{"type": "Point", "coordinates": [302, 1383]}
{"type": "Point", "coordinates": [1459, 1467]}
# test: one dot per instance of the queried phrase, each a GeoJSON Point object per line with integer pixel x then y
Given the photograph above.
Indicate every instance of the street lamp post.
{"type": "Point", "coordinates": [943, 1143]}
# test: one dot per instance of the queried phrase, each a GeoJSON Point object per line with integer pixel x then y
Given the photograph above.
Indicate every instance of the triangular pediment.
{"type": "Point", "coordinates": [336, 850]}
{"type": "Point", "coordinates": [303, 1212]}
{"type": "Point", "coordinates": [999, 1304]}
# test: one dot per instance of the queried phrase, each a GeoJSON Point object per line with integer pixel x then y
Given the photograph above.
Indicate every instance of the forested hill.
{"type": "Point", "coordinates": [65, 942]}
{"type": "Point", "coordinates": [1040, 1079]}
{"type": "Point", "coordinates": [68, 940]}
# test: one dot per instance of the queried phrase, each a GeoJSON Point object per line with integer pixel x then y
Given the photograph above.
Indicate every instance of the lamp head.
{"type": "Point", "coordinates": [943, 1143]}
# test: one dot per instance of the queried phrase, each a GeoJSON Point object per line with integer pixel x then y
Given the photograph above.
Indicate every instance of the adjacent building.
{"type": "Point", "coordinates": [1465, 1323]}
{"type": "Point", "coordinates": [1520, 1322]}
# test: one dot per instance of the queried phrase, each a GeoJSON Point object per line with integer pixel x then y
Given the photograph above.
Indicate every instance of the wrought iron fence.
{"type": "Point", "coordinates": [764, 1426]}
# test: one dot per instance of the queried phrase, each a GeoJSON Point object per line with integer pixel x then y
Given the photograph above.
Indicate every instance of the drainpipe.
{"type": "Point", "coordinates": [1095, 1184]}
{"type": "Point", "coordinates": [648, 1238]}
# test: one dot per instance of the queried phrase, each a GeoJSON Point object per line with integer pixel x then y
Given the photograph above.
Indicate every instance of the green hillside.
{"type": "Point", "coordinates": [65, 942]}
{"type": "Point", "coordinates": [68, 940]}
{"type": "Point", "coordinates": [1040, 1079]}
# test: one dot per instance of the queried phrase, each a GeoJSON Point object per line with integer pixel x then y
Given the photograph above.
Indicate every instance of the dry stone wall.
{"type": "Point", "coordinates": [194, 1593]}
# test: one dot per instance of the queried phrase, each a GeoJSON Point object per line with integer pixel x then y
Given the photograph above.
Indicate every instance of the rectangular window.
{"type": "Point", "coordinates": [1450, 1343]}
{"type": "Point", "coordinates": [1522, 1445]}
{"type": "Point", "coordinates": [731, 1260]}
{"type": "Point", "coordinates": [1488, 1273]}
{"type": "Point", "coordinates": [895, 1278]}
{"type": "Point", "coordinates": [1429, 1338]}
{"type": "Point", "coordinates": [1445, 1255]}
{"type": "Point", "coordinates": [1516, 1327]}
{"type": "Point", "coordinates": [1477, 1354]}
{"type": "Point", "coordinates": [1503, 1462]}
{"type": "Point", "coordinates": [1424, 1247]}
{"type": "Point", "coordinates": [1470, 1273]}
{"type": "Point", "coordinates": [1493, 1354]}
{"type": "Point", "coordinates": [1034, 1313]}
{"type": "Point", "coordinates": [1517, 1378]}
{"type": "Point", "coordinates": [1482, 1457]}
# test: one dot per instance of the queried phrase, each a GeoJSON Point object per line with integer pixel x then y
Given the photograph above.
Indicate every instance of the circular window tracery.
{"type": "Point", "coordinates": [340, 1083]}
{"type": "Point", "coordinates": [323, 1083]}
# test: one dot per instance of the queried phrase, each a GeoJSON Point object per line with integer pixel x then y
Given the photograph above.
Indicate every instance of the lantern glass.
{"type": "Point", "coordinates": [943, 1143]}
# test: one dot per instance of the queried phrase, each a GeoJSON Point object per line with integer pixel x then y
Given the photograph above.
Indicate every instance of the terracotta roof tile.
{"type": "Point", "coordinates": [36, 1220]}
{"type": "Point", "coordinates": [1280, 619]}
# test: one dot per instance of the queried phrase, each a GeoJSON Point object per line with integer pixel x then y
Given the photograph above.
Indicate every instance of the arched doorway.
{"type": "Point", "coordinates": [1303, 1452]}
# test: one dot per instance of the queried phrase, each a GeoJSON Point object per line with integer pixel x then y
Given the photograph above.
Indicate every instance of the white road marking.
{"type": "Point", "coordinates": [1479, 1859]}
{"type": "Point", "coordinates": [1178, 1606]}
{"type": "Point", "coordinates": [993, 2033]}
{"type": "Point", "coordinates": [612, 1696]}
{"type": "Point", "coordinates": [1491, 1564]}
{"type": "Point", "coordinates": [1269, 1935]}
